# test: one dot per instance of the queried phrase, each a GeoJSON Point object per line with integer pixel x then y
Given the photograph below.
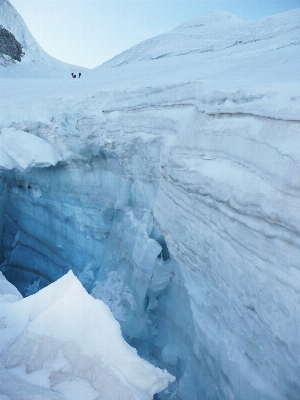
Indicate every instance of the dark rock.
{"type": "Point", "coordinates": [9, 45]}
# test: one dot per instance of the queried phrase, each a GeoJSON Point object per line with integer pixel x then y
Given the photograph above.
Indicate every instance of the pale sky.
{"type": "Point", "coordinates": [90, 32]}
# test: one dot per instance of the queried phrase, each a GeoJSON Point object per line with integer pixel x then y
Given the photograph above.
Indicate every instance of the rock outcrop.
{"type": "Point", "coordinates": [9, 45]}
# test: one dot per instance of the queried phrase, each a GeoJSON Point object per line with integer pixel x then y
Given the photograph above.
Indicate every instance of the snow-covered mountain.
{"type": "Point", "coordinates": [171, 190]}
{"type": "Point", "coordinates": [217, 37]}
{"type": "Point", "coordinates": [204, 34]}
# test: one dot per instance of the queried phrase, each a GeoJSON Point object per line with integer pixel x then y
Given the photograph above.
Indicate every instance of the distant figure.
{"type": "Point", "coordinates": [72, 74]}
{"type": "Point", "coordinates": [79, 75]}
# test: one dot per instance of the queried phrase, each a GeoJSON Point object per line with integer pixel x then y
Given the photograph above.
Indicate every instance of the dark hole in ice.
{"type": "Point", "coordinates": [165, 251]}
{"type": "Point", "coordinates": [157, 235]}
{"type": "Point", "coordinates": [165, 255]}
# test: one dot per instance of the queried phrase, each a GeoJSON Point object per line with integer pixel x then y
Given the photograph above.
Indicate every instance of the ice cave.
{"type": "Point", "coordinates": [149, 216]}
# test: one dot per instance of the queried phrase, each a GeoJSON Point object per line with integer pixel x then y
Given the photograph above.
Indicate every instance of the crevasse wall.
{"type": "Point", "coordinates": [185, 222]}
{"type": "Point", "coordinates": [3, 201]}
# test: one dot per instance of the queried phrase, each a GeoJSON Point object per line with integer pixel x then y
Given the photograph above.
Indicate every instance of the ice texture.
{"type": "Point", "coordinates": [69, 345]}
{"type": "Point", "coordinates": [176, 201]}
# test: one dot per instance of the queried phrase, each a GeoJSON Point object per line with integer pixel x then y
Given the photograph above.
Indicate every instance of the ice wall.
{"type": "Point", "coordinates": [2, 212]}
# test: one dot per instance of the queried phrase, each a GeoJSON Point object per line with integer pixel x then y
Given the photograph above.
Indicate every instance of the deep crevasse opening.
{"type": "Point", "coordinates": [85, 218]}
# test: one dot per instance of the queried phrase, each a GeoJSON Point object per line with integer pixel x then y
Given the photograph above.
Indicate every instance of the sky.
{"type": "Point", "coordinates": [90, 32]}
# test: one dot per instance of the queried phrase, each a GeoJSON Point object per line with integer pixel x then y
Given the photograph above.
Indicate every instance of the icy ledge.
{"type": "Point", "coordinates": [22, 150]}
{"type": "Point", "coordinates": [61, 343]}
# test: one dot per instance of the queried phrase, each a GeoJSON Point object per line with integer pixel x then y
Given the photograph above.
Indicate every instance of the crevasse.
{"type": "Point", "coordinates": [172, 193]}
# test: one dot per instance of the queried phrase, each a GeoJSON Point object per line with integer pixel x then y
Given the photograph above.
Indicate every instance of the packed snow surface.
{"type": "Point", "coordinates": [67, 345]}
{"type": "Point", "coordinates": [176, 202]}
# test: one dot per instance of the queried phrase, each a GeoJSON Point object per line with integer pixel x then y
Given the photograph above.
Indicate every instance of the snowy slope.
{"type": "Point", "coordinates": [177, 202]}
{"type": "Point", "coordinates": [217, 36]}
{"type": "Point", "coordinates": [207, 33]}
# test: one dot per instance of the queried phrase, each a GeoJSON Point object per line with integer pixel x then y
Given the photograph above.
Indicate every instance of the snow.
{"type": "Point", "coordinates": [175, 202]}
{"type": "Point", "coordinates": [69, 344]}
{"type": "Point", "coordinates": [22, 150]}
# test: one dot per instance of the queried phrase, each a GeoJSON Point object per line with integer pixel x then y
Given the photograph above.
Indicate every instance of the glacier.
{"type": "Point", "coordinates": [171, 191]}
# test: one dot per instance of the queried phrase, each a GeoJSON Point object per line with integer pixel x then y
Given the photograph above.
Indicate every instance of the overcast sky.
{"type": "Point", "coordinates": [89, 32]}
